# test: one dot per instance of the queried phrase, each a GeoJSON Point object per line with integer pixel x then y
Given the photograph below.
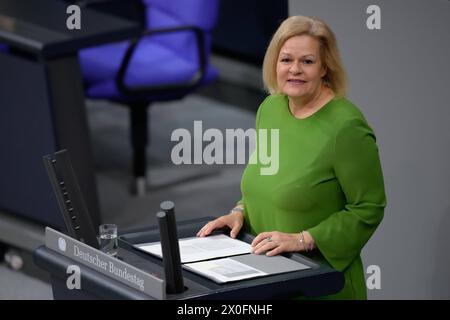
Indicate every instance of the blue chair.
{"type": "Point", "coordinates": [169, 60]}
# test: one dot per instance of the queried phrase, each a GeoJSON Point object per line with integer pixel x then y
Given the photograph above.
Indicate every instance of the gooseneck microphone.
{"type": "Point", "coordinates": [170, 248]}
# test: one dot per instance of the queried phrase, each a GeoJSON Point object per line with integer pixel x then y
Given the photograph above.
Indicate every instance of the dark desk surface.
{"type": "Point", "coordinates": [39, 27]}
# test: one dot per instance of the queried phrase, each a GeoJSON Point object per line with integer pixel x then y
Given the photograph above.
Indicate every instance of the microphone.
{"type": "Point", "coordinates": [170, 247]}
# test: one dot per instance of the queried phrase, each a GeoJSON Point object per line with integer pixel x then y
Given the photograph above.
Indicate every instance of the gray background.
{"type": "Point", "coordinates": [399, 77]}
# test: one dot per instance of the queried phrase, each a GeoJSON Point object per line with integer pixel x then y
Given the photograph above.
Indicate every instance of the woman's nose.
{"type": "Point", "coordinates": [295, 68]}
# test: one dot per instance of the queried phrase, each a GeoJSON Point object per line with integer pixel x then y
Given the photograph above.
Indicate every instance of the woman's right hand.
{"type": "Point", "coordinates": [233, 220]}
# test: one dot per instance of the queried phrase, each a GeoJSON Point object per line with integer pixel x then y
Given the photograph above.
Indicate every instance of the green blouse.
{"type": "Point", "coordinates": [329, 182]}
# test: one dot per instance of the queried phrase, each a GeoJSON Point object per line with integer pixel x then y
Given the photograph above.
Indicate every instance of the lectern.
{"type": "Point", "coordinates": [139, 275]}
{"type": "Point", "coordinates": [316, 281]}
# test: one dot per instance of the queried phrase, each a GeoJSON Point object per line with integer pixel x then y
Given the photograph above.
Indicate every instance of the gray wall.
{"type": "Point", "coordinates": [399, 77]}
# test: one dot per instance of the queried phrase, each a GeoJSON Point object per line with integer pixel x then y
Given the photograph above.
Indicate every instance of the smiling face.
{"type": "Point", "coordinates": [299, 68]}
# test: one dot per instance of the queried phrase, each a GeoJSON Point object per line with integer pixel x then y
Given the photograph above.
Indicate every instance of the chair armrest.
{"type": "Point", "coordinates": [195, 80]}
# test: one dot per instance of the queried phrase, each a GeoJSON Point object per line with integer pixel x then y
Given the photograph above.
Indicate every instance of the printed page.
{"type": "Point", "coordinates": [198, 249]}
{"type": "Point", "coordinates": [224, 270]}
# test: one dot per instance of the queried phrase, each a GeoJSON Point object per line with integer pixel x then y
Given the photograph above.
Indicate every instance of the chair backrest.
{"type": "Point", "coordinates": [199, 13]}
{"type": "Point", "coordinates": [163, 13]}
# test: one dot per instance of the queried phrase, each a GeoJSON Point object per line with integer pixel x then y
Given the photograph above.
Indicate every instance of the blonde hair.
{"type": "Point", "coordinates": [334, 78]}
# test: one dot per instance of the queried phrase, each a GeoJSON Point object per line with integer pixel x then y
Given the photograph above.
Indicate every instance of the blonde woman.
{"type": "Point", "coordinates": [327, 198]}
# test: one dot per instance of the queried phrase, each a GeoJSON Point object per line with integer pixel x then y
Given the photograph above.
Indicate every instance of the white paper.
{"type": "Point", "coordinates": [202, 248]}
{"type": "Point", "coordinates": [224, 270]}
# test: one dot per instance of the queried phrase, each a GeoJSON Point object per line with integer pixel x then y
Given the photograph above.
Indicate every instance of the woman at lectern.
{"type": "Point", "coordinates": [327, 197]}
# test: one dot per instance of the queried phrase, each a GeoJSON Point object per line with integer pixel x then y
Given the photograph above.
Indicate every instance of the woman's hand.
{"type": "Point", "coordinates": [234, 221]}
{"type": "Point", "coordinates": [275, 242]}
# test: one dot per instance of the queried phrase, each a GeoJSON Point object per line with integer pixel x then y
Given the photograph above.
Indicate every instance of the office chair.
{"type": "Point", "coordinates": [169, 60]}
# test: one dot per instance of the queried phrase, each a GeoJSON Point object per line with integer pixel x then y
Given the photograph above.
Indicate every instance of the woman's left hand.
{"type": "Point", "coordinates": [275, 242]}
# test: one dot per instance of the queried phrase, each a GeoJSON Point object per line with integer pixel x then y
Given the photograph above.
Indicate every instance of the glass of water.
{"type": "Point", "coordinates": [108, 239]}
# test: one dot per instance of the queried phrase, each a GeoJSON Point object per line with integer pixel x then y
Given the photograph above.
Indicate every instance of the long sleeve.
{"type": "Point", "coordinates": [258, 112]}
{"type": "Point", "coordinates": [341, 237]}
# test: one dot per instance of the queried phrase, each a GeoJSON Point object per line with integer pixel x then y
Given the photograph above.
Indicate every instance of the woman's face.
{"type": "Point", "coordinates": [299, 67]}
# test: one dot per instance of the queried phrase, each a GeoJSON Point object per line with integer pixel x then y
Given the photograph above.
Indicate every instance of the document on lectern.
{"type": "Point", "coordinates": [224, 270]}
{"type": "Point", "coordinates": [202, 248]}
{"type": "Point", "coordinates": [244, 267]}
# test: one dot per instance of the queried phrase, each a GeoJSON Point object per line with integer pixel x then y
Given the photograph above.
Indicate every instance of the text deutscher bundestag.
{"type": "Point", "coordinates": [109, 266]}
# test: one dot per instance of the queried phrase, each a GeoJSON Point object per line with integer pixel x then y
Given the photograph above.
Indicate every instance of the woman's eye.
{"type": "Point", "coordinates": [308, 61]}
{"type": "Point", "coordinates": [285, 60]}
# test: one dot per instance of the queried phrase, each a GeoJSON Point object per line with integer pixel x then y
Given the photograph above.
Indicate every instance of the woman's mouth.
{"type": "Point", "coordinates": [296, 81]}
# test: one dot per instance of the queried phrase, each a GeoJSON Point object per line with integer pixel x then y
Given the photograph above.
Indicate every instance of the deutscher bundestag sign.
{"type": "Point", "coordinates": [113, 268]}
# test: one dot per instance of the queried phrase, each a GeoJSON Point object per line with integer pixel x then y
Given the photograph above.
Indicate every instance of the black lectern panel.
{"type": "Point", "coordinates": [70, 200]}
